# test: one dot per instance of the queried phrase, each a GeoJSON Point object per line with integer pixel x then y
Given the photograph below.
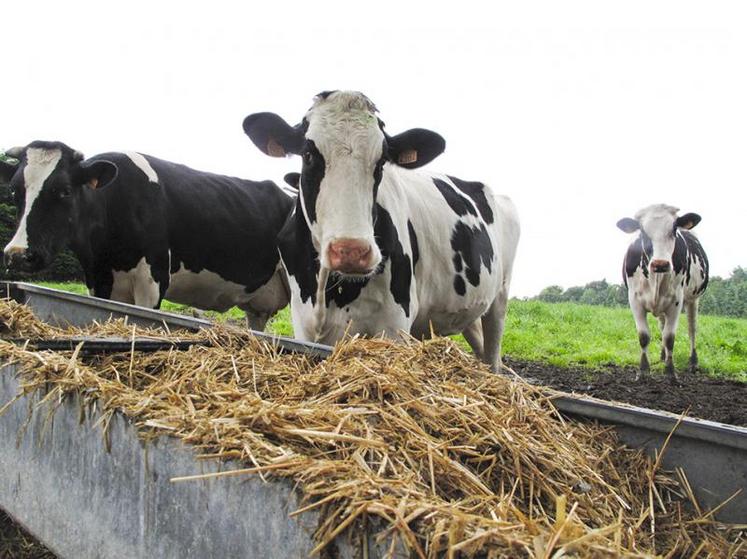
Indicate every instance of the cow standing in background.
{"type": "Point", "coordinates": [144, 229]}
{"type": "Point", "coordinates": [374, 247]}
{"type": "Point", "coordinates": [665, 268]}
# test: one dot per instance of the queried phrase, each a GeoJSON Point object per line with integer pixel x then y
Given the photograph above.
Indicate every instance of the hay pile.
{"type": "Point", "coordinates": [454, 460]}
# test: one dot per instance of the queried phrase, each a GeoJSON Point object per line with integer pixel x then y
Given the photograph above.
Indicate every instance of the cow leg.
{"type": "Point", "coordinates": [644, 337]}
{"type": "Point", "coordinates": [663, 353]}
{"type": "Point", "coordinates": [493, 323]}
{"type": "Point", "coordinates": [147, 291]}
{"type": "Point", "coordinates": [667, 334]}
{"type": "Point", "coordinates": [473, 335]}
{"type": "Point", "coordinates": [692, 317]}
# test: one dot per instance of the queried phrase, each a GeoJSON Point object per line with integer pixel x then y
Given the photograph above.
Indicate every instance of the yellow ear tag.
{"type": "Point", "coordinates": [407, 157]}
{"type": "Point", "coordinates": [275, 149]}
{"type": "Point", "coordinates": [93, 183]}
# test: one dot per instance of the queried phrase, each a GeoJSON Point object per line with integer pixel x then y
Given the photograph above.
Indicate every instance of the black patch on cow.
{"type": "Point", "coordinates": [312, 174]}
{"type": "Point", "coordinates": [458, 203]}
{"type": "Point", "coordinates": [473, 247]}
{"type": "Point", "coordinates": [378, 174]}
{"type": "Point", "coordinates": [637, 256]}
{"type": "Point", "coordinates": [644, 339]}
{"type": "Point", "coordinates": [680, 257]}
{"type": "Point", "coordinates": [391, 249]}
{"type": "Point", "coordinates": [413, 243]}
{"type": "Point", "coordinates": [476, 191]}
{"type": "Point", "coordinates": [457, 260]}
{"type": "Point", "coordinates": [459, 286]}
{"type": "Point", "coordinates": [325, 94]}
{"type": "Point", "coordinates": [342, 293]}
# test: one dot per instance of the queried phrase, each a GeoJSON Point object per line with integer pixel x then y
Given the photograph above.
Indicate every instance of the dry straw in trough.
{"type": "Point", "coordinates": [449, 459]}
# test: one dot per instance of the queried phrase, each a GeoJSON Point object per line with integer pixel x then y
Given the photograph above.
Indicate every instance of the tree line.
{"type": "Point", "coordinates": [724, 296]}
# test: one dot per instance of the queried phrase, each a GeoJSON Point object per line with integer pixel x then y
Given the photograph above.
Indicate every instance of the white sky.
{"type": "Point", "coordinates": [582, 112]}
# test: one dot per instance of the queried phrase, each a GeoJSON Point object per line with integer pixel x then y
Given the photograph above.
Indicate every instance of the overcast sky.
{"type": "Point", "coordinates": [582, 112]}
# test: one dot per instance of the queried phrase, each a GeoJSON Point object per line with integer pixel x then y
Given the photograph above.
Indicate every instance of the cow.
{"type": "Point", "coordinates": [144, 229]}
{"type": "Point", "coordinates": [374, 247]}
{"type": "Point", "coordinates": [665, 269]}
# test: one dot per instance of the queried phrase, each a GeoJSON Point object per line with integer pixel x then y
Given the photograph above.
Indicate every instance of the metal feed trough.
{"type": "Point", "coordinates": [84, 501]}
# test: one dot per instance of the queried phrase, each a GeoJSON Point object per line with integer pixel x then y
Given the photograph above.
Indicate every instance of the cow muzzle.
{"type": "Point", "coordinates": [21, 259]}
{"type": "Point", "coordinates": [660, 266]}
{"type": "Point", "coordinates": [350, 256]}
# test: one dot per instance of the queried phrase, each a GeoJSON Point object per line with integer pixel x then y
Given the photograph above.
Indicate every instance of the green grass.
{"type": "Point", "coordinates": [593, 336]}
{"type": "Point", "coordinates": [572, 334]}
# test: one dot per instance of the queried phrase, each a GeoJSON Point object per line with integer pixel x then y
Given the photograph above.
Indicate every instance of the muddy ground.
{"type": "Point", "coordinates": [17, 544]}
{"type": "Point", "coordinates": [715, 399]}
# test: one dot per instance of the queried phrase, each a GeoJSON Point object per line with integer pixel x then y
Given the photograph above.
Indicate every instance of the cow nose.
{"type": "Point", "coordinates": [350, 256]}
{"type": "Point", "coordinates": [13, 256]}
{"type": "Point", "coordinates": [21, 259]}
{"type": "Point", "coordinates": [659, 266]}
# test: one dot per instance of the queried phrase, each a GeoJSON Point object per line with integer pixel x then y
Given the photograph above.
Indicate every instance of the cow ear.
{"type": "Point", "coordinates": [415, 148]}
{"type": "Point", "coordinates": [7, 170]}
{"type": "Point", "coordinates": [687, 221]}
{"type": "Point", "coordinates": [628, 225]}
{"type": "Point", "coordinates": [97, 174]}
{"type": "Point", "coordinates": [293, 179]}
{"type": "Point", "coordinates": [272, 135]}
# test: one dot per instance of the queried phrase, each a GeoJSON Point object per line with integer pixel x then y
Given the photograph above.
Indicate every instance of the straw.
{"type": "Point", "coordinates": [451, 459]}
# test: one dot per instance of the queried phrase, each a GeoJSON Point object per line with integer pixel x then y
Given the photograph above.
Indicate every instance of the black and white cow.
{"type": "Point", "coordinates": [665, 268]}
{"type": "Point", "coordinates": [374, 247]}
{"type": "Point", "coordinates": [144, 229]}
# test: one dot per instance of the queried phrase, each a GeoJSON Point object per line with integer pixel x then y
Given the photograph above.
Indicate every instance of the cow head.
{"type": "Point", "coordinates": [344, 148]}
{"type": "Point", "coordinates": [47, 185]}
{"type": "Point", "coordinates": [658, 225]}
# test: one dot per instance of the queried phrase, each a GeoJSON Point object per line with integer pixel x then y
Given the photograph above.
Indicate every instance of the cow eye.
{"type": "Point", "coordinates": [64, 192]}
{"type": "Point", "coordinates": [307, 157]}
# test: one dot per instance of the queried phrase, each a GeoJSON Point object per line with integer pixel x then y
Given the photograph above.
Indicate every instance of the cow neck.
{"type": "Point", "coordinates": [90, 221]}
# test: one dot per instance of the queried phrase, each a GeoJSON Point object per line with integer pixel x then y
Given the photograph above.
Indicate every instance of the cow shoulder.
{"type": "Point", "coordinates": [697, 259]}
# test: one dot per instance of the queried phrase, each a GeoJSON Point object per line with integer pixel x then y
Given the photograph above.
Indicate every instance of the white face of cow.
{"type": "Point", "coordinates": [658, 225]}
{"type": "Point", "coordinates": [40, 164]}
{"type": "Point", "coordinates": [342, 168]}
{"type": "Point", "coordinates": [344, 147]}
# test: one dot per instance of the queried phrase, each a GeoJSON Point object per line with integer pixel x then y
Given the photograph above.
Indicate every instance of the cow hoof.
{"type": "Point", "coordinates": [640, 376]}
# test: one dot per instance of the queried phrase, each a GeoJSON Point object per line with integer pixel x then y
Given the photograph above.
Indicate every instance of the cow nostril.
{"type": "Point", "coordinates": [660, 266]}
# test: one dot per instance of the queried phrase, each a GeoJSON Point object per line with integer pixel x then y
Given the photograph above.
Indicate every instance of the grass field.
{"type": "Point", "coordinates": [571, 334]}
